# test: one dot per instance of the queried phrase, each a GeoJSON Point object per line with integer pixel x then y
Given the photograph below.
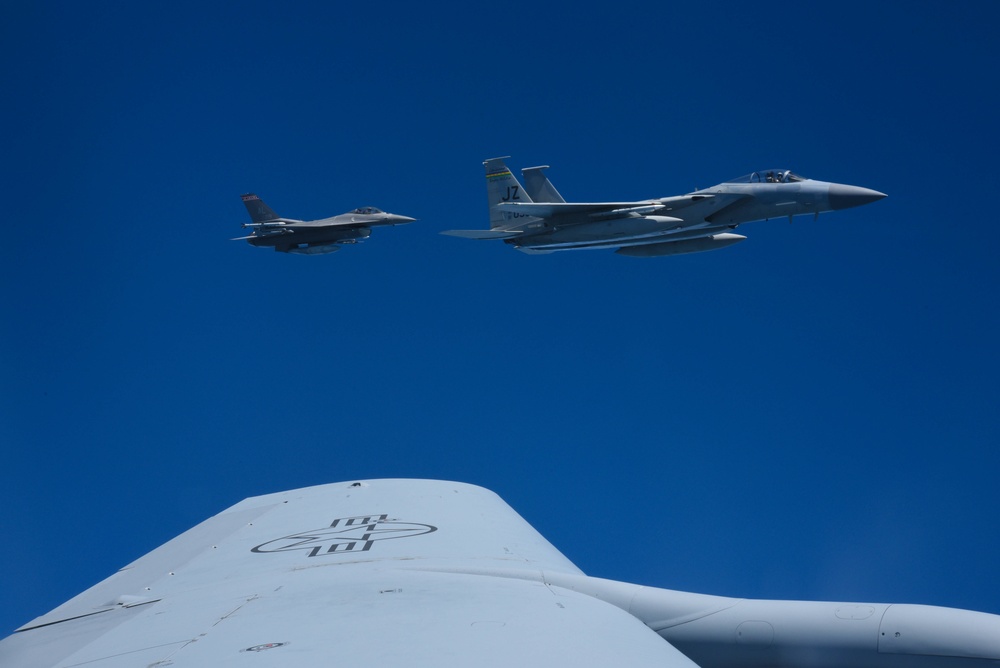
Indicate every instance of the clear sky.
{"type": "Point", "coordinates": [813, 413]}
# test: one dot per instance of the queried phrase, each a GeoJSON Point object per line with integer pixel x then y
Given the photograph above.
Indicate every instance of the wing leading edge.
{"type": "Point", "coordinates": [429, 573]}
{"type": "Point", "coordinates": [591, 209]}
{"type": "Point", "coordinates": [387, 572]}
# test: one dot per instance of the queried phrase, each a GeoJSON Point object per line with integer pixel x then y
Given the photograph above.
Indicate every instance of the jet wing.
{"type": "Point", "coordinates": [593, 210]}
{"type": "Point", "coordinates": [384, 573]}
{"type": "Point", "coordinates": [483, 234]}
{"type": "Point", "coordinates": [344, 220]}
{"type": "Point", "coordinates": [333, 222]}
{"type": "Point", "coordinates": [682, 201]}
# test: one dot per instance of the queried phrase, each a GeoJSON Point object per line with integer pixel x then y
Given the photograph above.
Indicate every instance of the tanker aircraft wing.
{"type": "Point", "coordinates": [535, 218]}
{"type": "Point", "coordinates": [427, 573]}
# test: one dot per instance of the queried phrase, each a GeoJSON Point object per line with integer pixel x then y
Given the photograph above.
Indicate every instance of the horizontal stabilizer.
{"type": "Point", "coordinates": [483, 234]}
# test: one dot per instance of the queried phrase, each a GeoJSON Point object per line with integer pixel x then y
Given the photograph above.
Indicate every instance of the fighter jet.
{"type": "Point", "coordinates": [424, 573]}
{"type": "Point", "coordinates": [536, 218]}
{"type": "Point", "coordinates": [312, 237]}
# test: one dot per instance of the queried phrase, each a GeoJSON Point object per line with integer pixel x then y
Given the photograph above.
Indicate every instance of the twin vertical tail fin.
{"type": "Point", "coordinates": [539, 188]}
{"type": "Point", "coordinates": [259, 212]}
{"type": "Point", "coordinates": [502, 186]}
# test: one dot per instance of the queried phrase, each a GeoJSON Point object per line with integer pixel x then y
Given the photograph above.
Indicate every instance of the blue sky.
{"type": "Point", "coordinates": [810, 414]}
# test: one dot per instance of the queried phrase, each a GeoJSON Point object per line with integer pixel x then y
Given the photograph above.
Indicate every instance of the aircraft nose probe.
{"type": "Point", "coordinates": [844, 196]}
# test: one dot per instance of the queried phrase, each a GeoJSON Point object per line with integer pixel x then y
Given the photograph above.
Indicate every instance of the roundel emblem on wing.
{"type": "Point", "coordinates": [346, 534]}
{"type": "Point", "coordinates": [264, 647]}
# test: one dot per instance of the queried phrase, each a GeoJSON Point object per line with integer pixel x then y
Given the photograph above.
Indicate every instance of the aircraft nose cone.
{"type": "Point", "coordinates": [844, 197]}
{"type": "Point", "coordinates": [396, 219]}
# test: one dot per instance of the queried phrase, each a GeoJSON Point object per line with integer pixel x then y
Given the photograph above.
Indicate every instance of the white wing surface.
{"type": "Point", "coordinates": [381, 573]}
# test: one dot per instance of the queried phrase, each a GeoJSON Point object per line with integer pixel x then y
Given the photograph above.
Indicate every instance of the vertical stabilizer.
{"type": "Point", "coordinates": [502, 186]}
{"type": "Point", "coordinates": [539, 188]}
{"type": "Point", "coordinates": [259, 212]}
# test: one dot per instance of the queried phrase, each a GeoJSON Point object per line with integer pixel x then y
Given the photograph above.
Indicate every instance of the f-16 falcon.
{"type": "Point", "coordinates": [536, 219]}
{"type": "Point", "coordinates": [312, 237]}
{"type": "Point", "coordinates": [424, 573]}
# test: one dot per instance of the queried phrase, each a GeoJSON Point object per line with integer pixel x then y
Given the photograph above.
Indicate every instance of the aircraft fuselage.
{"type": "Point", "coordinates": [708, 214]}
{"type": "Point", "coordinates": [313, 237]}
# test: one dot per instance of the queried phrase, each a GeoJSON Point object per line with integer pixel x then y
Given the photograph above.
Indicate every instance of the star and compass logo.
{"type": "Point", "coordinates": [346, 535]}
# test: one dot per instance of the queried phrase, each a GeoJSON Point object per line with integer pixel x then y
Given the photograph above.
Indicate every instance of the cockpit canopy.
{"type": "Point", "coordinates": [367, 210]}
{"type": "Point", "coordinates": [768, 176]}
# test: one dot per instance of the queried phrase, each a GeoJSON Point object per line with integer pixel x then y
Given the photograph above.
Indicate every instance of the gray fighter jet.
{"type": "Point", "coordinates": [536, 219]}
{"type": "Point", "coordinates": [312, 237]}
